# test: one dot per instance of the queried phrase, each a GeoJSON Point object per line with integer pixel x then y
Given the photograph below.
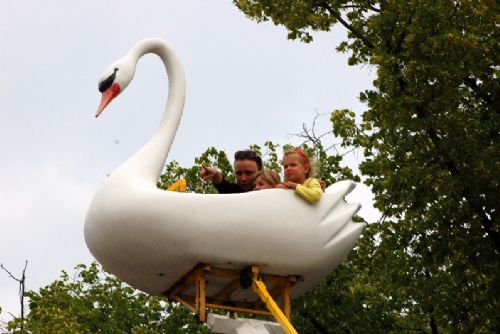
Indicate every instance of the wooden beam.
{"type": "Point", "coordinates": [226, 292]}
{"type": "Point", "coordinates": [278, 280]}
{"type": "Point", "coordinates": [286, 301]}
{"type": "Point", "coordinates": [188, 279]}
{"type": "Point", "coordinates": [239, 309]}
{"type": "Point", "coordinates": [184, 302]}
{"type": "Point", "coordinates": [201, 297]}
{"type": "Point", "coordinates": [191, 291]}
{"type": "Point", "coordinates": [222, 272]}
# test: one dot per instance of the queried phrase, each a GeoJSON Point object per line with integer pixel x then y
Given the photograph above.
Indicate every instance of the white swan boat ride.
{"type": "Point", "coordinates": [151, 238]}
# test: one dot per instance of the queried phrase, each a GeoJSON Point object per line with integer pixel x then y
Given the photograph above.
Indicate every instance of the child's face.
{"type": "Point", "coordinates": [261, 184]}
{"type": "Point", "coordinates": [295, 171]}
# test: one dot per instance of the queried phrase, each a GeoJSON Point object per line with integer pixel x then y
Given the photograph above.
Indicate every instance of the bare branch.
{"type": "Point", "coordinates": [22, 286]}
{"type": "Point", "coordinates": [9, 273]}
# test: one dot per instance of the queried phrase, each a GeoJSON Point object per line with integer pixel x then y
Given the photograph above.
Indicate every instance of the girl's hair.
{"type": "Point", "coordinates": [306, 160]}
{"type": "Point", "coordinates": [270, 177]}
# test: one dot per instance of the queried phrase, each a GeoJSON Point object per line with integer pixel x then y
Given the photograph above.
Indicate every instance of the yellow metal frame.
{"type": "Point", "coordinates": [283, 317]}
{"type": "Point", "coordinates": [180, 184]}
{"type": "Point", "coordinates": [191, 291]}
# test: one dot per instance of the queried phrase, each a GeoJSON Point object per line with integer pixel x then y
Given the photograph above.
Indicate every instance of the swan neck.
{"type": "Point", "coordinates": [147, 164]}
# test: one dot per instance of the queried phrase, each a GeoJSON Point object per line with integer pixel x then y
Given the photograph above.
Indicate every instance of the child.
{"type": "Point", "coordinates": [267, 179]}
{"type": "Point", "coordinates": [297, 171]}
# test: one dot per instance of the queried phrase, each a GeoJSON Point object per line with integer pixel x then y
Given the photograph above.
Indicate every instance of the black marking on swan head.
{"type": "Point", "coordinates": [105, 84]}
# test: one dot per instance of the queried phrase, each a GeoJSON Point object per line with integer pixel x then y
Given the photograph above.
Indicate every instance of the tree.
{"type": "Point", "coordinates": [430, 141]}
{"type": "Point", "coordinates": [92, 301]}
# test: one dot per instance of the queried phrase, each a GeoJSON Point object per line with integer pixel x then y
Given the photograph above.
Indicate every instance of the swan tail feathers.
{"type": "Point", "coordinates": [342, 187]}
{"type": "Point", "coordinates": [338, 221]}
{"type": "Point", "coordinates": [346, 238]}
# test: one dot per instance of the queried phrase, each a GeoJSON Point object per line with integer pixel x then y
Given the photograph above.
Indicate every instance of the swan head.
{"type": "Point", "coordinates": [114, 80]}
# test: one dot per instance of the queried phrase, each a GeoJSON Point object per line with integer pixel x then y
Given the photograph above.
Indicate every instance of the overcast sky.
{"type": "Point", "coordinates": [246, 83]}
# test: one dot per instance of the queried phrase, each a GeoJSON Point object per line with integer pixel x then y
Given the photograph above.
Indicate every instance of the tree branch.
{"type": "Point", "coordinates": [399, 44]}
{"type": "Point", "coordinates": [349, 27]}
{"type": "Point", "coordinates": [22, 287]}
{"type": "Point", "coordinates": [369, 7]}
{"type": "Point", "coordinates": [451, 166]}
{"type": "Point", "coordinates": [9, 273]}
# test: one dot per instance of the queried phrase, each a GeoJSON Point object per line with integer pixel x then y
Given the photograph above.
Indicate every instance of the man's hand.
{"type": "Point", "coordinates": [211, 174]}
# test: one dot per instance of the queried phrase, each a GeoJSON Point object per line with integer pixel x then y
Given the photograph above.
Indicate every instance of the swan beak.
{"type": "Point", "coordinates": [107, 96]}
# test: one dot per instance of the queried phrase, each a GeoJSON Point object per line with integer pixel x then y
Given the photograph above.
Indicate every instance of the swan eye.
{"type": "Point", "coordinates": [105, 84]}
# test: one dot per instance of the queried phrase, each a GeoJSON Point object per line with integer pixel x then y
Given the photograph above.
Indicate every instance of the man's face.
{"type": "Point", "coordinates": [246, 172]}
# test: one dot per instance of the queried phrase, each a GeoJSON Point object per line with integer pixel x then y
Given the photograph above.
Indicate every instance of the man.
{"type": "Point", "coordinates": [247, 166]}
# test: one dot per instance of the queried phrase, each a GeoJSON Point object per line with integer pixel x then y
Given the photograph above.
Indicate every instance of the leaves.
{"type": "Point", "coordinates": [94, 301]}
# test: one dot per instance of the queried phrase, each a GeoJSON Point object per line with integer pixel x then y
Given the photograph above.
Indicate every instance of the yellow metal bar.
{"type": "Point", "coordinates": [274, 292]}
{"type": "Point", "coordinates": [260, 289]}
{"type": "Point", "coordinates": [179, 184]}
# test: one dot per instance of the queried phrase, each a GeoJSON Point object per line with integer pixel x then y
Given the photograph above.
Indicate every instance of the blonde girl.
{"type": "Point", "coordinates": [298, 169]}
{"type": "Point", "coordinates": [267, 179]}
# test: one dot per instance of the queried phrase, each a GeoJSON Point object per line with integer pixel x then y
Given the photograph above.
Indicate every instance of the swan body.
{"type": "Point", "coordinates": [150, 238]}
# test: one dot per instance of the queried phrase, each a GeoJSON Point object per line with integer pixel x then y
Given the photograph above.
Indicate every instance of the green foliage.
{"type": "Point", "coordinates": [93, 301]}
{"type": "Point", "coordinates": [211, 157]}
{"type": "Point", "coordinates": [270, 157]}
{"type": "Point", "coordinates": [430, 142]}
{"type": "Point", "coordinates": [345, 301]}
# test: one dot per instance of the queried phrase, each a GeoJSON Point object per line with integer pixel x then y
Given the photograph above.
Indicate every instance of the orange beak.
{"type": "Point", "coordinates": [107, 96]}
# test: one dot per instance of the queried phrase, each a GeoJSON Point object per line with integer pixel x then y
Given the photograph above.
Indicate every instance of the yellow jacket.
{"type": "Point", "coordinates": [310, 190]}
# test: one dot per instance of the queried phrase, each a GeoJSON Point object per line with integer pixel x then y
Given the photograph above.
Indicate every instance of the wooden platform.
{"type": "Point", "coordinates": [206, 286]}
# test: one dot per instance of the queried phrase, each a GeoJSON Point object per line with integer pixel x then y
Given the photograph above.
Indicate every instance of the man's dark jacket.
{"type": "Point", "coordinates": [226, 187]}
